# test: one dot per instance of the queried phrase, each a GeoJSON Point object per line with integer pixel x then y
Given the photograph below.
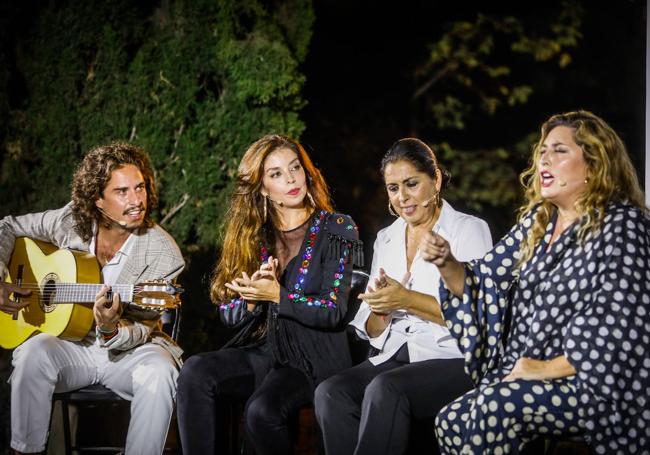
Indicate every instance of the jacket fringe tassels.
{"type": "Point", "coordinates": [338, 243]}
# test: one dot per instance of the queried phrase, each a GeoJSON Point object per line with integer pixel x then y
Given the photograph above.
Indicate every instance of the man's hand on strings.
{"type": "Point", "coordinates": [9, 305]}
{"type": "Point", "coordinates": [107, 312]}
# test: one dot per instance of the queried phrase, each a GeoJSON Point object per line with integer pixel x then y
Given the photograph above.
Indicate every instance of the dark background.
{"type": "Point", "coordinates": [360, 80]}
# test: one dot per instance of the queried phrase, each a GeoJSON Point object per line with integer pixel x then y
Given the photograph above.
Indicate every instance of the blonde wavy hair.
{"type": "Point", "coordinates": [243, 228]}
{"type": "Point", "coordinates": [611, 177]}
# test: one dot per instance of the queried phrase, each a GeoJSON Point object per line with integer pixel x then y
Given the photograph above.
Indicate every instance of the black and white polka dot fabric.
{"type": "Point", "coordinates": [589, 301]}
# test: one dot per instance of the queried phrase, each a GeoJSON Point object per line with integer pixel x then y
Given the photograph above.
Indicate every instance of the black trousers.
{"type": "Point", "coordinates": [368, 408]}
{"type": "Point", "coordinates": [210, 380]}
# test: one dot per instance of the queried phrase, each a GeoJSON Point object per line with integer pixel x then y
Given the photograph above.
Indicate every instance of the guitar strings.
{"type": "Point", "coordinates": [81, 288]}
{"type": "Point", "coordinates": [70, 293]}
{"type": "Point", "coordinates": [73, 292]}
{"type": "Point", "coordinates": [143, 305]}
{"type": "Point", "coordinates": [79, 285]}
{"type": "Point", "coordinates": [45, 301]}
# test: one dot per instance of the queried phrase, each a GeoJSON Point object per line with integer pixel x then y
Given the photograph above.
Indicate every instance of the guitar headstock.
{"type": "Point", "coordinates": [157, 295]}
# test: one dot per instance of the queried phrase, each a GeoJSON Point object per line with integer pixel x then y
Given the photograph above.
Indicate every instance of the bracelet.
{"type": "Point", "coordinates": [110, 337]}
{"type": "Point", "coordinates": [107, 335]}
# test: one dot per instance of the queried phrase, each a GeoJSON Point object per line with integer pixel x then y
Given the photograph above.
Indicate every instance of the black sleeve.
{"type": "Point", "coordinates": [235, 313]}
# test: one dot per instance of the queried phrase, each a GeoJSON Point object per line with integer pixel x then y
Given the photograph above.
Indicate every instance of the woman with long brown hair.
{"type": "Point", "coordinates": [283, 279]}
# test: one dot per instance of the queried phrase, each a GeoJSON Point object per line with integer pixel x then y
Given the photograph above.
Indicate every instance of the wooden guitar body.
{"type": "Point", "coordinates": [42, 265]}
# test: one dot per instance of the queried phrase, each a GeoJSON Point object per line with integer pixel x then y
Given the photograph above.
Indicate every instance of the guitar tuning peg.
{"type": "Point", "coordinates": [175, 290]}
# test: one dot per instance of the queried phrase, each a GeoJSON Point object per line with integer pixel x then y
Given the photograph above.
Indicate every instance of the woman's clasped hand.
{"type": "Point", "coordinates": [263, 285]}
{"type": "Point", "coordinates": [388, 294]}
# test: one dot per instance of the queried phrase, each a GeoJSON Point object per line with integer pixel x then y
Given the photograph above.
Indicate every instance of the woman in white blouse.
{"type": "Point", "coordinates": [418, 368]}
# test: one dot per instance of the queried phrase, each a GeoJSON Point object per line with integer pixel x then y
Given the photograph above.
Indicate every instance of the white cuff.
{"type": "Point", "coordinates": [359, 323]}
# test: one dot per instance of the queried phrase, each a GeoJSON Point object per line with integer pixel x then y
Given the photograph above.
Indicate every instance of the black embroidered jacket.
{"type": "Point", "coordinates": [306, 330]}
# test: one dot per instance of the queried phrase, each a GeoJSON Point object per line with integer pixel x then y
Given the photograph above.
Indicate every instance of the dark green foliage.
{"type": "Point", "coordinates": [193, 82]}
{"type": "Point", "coordinates": [480, 70]}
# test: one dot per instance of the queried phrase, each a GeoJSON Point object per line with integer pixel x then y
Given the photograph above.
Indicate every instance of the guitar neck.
{"type": "Point", "coordinates": [85, 293]}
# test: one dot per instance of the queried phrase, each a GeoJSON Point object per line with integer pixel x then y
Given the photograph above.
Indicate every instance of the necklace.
{"type": "Point", "coordinates": [105, 255]}
{"type": "Point", "coordinates": [286, 231]}
{"type": "Point", "coordinates": [306, 219]}
{"type": "Point", "coordinates": [105, 250]}
{"type": "Point", "coordinates": [106, 258]}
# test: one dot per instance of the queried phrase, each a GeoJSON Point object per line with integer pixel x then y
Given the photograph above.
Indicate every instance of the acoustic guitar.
{"type": "Point", "coordinates": [64, 284]}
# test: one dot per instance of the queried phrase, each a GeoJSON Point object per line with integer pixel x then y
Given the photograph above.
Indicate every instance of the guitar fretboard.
{"type": "Point", "coordinates": [83, 293]}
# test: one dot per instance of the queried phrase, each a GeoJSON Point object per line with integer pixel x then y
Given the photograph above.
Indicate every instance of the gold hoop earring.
{"type": "Point", "coordinates": [391, 210]}
{"type": "Point", "coordinates": [311, 199]}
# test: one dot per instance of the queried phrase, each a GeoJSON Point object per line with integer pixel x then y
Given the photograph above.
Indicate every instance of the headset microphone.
{"type": "Point", "coordinates": [121, 223]}
{"type": "Point", "coordinates": [562, 183]}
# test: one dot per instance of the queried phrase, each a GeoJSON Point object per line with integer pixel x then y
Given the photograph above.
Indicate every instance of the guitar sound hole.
{"type": "Point", "coordinates": [47, 300]}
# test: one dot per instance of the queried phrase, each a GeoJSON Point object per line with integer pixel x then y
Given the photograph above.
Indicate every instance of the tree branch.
{"type": "Point", "coordinates": [175, 209]}
{"type": "Point", "coordinates": [427, 85]}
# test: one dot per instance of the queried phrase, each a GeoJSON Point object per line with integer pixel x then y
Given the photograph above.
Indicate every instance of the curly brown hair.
{"type": "Point", "coordinates": [92, 176]}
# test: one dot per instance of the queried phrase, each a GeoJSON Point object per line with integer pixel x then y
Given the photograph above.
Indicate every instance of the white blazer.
{"type": "Point", "coordinates": [469, 238]}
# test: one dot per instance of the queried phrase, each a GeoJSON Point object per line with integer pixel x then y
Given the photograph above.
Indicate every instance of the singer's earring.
{"type": "Point", "coordinates": [586, 180]}
{"type": "Point", "coordinates": [437, 199]}
{"type": "Point", "coordinates": [311, 199]}
{"type": "Point", "coordinates": [266, 209]}
{"type": "Point", "coordinates": [391, 210]}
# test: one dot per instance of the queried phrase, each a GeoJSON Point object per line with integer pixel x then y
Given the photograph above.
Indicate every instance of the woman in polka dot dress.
{"type": "Point", "coordinates": [554, 322]}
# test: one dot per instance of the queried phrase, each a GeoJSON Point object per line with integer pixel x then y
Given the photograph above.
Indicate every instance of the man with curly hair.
{"type": "Point", "coordinates": [113, 194]}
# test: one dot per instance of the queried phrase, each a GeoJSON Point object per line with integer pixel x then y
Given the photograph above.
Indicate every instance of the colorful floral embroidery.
{"type": "Point", "coordinates": [298, 294]}
{"type": "Point", "coordinates": [232, 304]}
{"type": "Point", "coordinates": [264, 254]}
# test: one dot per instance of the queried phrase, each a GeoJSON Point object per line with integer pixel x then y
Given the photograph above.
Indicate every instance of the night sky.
{"type": "Point", "coordinates": [360, 81]}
